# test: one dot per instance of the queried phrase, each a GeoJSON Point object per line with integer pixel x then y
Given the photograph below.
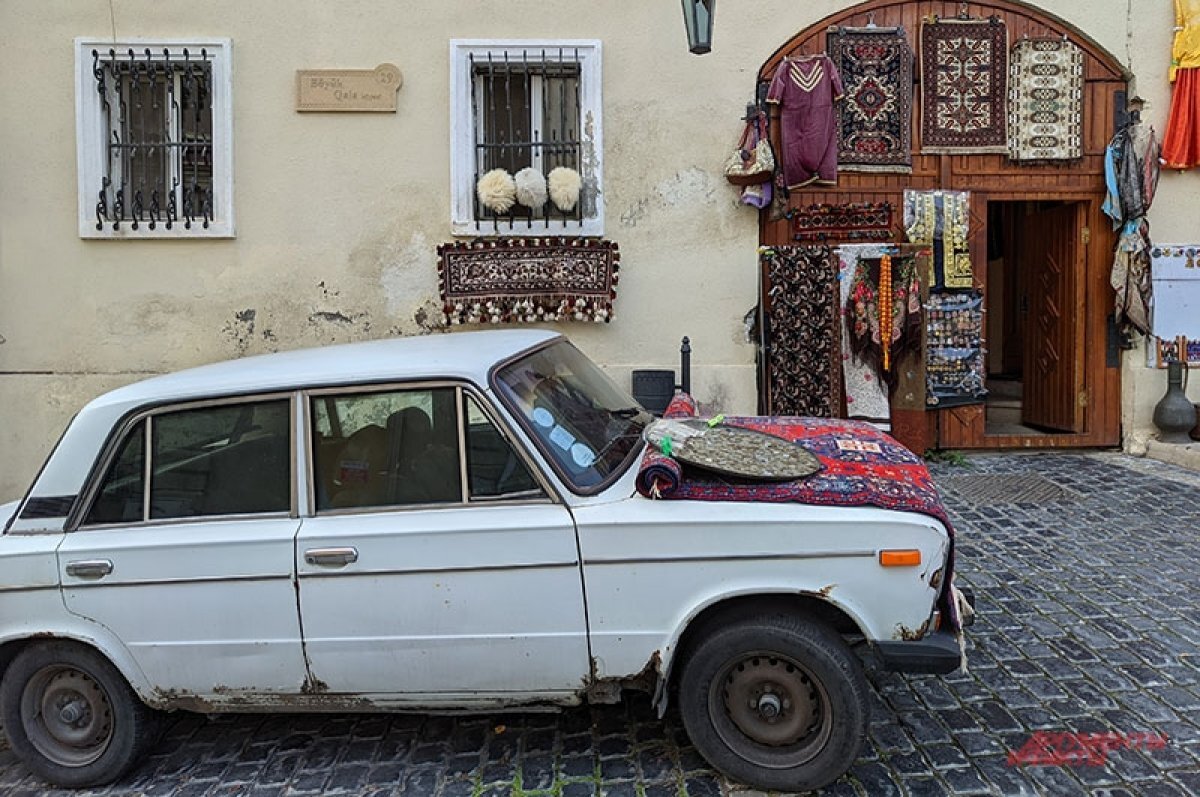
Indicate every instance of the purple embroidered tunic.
{"type": "Point", "coordinates": [805, 89]}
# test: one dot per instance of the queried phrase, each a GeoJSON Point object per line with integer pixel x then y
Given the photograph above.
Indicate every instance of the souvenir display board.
{"type": "Point", "coordinates": [955, 365]}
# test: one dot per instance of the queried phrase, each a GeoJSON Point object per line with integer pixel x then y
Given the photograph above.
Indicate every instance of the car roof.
{"type": "Point", "coordinates": [457, 355]}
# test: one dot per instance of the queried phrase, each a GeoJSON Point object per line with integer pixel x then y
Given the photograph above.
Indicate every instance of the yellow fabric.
{"type": "Point", "coordinates": [1186, 52]}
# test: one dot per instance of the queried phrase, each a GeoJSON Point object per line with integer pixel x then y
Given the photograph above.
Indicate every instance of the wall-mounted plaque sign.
{"type": "Point", "coordinates": [348, 89]}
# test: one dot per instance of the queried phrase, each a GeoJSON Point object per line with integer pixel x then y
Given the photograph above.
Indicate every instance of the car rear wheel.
{"type": "Point", "coordinates": [776, 702]}
{"type": "Point", "coordinates": [71, 717]}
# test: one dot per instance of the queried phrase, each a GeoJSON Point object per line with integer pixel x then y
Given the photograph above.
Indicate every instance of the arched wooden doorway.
{"type": "Point", "coordinates": [1051, 211]}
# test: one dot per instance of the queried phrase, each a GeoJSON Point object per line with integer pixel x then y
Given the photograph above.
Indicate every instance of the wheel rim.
{"type": "Point", "coordinates": [771, 710]}
{"type": "Point", "coordinates": [67, 715]}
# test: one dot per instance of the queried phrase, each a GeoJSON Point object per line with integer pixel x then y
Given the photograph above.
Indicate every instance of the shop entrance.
{"type": "Point", "coordinates": [1036, 309]}
{"type": "Point", "coordinates": [1040, 248]}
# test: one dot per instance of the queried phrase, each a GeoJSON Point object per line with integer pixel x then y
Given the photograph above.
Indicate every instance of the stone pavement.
{"type": "Point", "coordinates": [1085, 566]}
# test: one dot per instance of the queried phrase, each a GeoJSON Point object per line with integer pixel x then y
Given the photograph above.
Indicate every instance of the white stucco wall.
{"type": "Point", "coordinates": [338, 215]}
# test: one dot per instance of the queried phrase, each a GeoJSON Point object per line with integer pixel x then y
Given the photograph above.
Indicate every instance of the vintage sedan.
{"type": "Point", "coordinates": [446, 522]}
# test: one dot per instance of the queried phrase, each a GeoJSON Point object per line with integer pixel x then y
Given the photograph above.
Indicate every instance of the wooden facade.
{"type": "Point", "coordinates": [1076, 185]}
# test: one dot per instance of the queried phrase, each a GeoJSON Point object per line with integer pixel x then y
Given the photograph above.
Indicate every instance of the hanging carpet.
{"type": "Point", "coordinates": [803, 323]}
{"type": "Point", "coordinates": [525, 280]}
{"type": "Point", "coordinates": [848, 221]}
{"type": "Point", "coordinates": [875, 115]}
{"type": "Point", "coordinates": [1045, 100]}
{"type": "Point", "coordinates": [964, 85]}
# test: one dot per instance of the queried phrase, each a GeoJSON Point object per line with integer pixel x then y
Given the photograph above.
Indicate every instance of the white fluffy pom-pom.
{"type": "Point", "coordinates": [564, 184]}
{"type": "Point", "coordinates": [531, 188]}
{"type": "Point", "coordinates": [497, 191]}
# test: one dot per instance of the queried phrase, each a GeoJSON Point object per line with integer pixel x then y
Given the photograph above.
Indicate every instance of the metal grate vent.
{"type": "Point", "coordinates": [1005, 488]}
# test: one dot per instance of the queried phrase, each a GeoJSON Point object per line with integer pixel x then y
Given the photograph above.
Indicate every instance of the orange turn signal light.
{"type": "Point", "coordinates": [902, 557]}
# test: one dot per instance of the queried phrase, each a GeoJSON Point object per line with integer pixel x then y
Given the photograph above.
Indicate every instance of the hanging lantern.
{"type": "Point", "coordinates": [698, 18]}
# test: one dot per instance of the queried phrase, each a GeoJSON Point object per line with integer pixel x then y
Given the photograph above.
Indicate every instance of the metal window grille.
{"type": "Point", "coordinates": [158, 123]}
{"type": "Point", "coordinates": [527, 114]}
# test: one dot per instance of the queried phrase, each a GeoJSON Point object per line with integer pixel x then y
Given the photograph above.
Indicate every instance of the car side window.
{"type": "Point", "coordinates": [122, 493]}
{"type": "Point", "coordinates": [386, 448]}
{"type": "Point", "coordinates": [223, 460]}
{"type": "Point", "coordinates": [494, 468]}
{"type": "Point", "coordinates": [227, 459]}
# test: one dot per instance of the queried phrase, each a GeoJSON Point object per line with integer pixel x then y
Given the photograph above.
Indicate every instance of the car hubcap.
{"type": "Point", "coordinates": [67, 716]}
{"type": "Point", "coordinates": [772, 701]}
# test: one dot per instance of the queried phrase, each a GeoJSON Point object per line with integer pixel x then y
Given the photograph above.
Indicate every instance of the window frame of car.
{"type": "Point", "coordinates": [587, 54]}
{"type": "Point", "coordinates": [115, 442]}
{"type": "Point", "coordinates": [93, 132]}
{"type": "Point", "coordinates": [549, 491]}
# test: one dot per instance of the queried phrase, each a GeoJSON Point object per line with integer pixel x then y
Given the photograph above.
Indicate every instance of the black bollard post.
{"type": "Point", "coordinates": [685, 365]}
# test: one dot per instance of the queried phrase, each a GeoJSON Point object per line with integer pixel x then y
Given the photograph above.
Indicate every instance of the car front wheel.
{"type": "Point", "coordinates": [70, 715]}
{"type": "Point", "coordinates": [776, 702]}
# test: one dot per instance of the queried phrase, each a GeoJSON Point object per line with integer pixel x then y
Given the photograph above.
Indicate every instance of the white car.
{"type": "Point", "coordinates": [433, 523]}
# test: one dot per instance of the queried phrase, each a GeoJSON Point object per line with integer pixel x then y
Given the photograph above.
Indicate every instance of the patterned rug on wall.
{"type": "Point", "coordinates": [875, 115]}
{"type": "Point", "coordinates": [964, 86]}
{"type": "Point", "coordinates": [1045, 100]}
{"type": "Point", "coordinates": [525, 280]}
{"type": "Point", "coordinates": [805, 329]}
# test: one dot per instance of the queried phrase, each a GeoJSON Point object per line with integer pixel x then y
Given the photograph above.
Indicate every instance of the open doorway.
{"type": "Point", "coordinates": [1035, 321]}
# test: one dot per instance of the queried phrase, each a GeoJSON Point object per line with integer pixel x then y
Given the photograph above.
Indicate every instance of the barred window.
{"type": "Point", "coordinates": [526, 138]}
{"type": "Point", "coordinates": [154, 139]}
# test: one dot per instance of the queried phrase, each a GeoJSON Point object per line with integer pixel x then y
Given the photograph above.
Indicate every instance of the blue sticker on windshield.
{"type": "Point", "coordinates": [543, 417]}
{"type": "Point", "coordinates": [562, 438]}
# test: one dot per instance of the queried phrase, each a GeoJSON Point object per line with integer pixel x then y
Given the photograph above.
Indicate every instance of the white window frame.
{"type": "Point", "coordinates": [462, 136]}
{"type": "Point", "coordinates": [91, 138]}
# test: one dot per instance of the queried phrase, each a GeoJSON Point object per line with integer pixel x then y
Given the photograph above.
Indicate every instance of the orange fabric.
{"type": "Point", "coordinates": [1181, 144]}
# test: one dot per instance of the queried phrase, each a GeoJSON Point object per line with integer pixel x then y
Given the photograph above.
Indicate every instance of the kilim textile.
{"type": "Point", "coordinates": [875, 115]}
{"type": "Point", "coordinates": [866, 393]}
{"type": "Point", "coordinates": [850, 221]}
{"type": "Point", "coordinates": [942, 220]}
{"type": "Point", "coordinates": [860, 466]}
{"type": "Point", "coordinates": [1181, 145]}
{"type": "Point", "coordinates": [804, 330]}
{"type": "Point", "coordinates": [1045, 100]}
{"type": "Point", "coordinates": [525, 280]}
{"type": "Point", "coordinates": [867, 339]}
{"type": "Point", "coordinates": [964, 85]}
{"type": "Point", "coordinates": [805, 88]}
{"type": "Point", "coordinates": [954, 353]}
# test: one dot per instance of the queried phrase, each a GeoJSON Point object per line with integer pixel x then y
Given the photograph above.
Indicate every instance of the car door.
{"type": "Point", "coordinates": [436, 561]}
{"type": "Point", "coordinates": [186, 549]}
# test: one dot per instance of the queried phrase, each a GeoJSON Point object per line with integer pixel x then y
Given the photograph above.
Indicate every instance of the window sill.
{"type": "Point", "coordinates": [215, 229]}
{"type": "Point", "coordinates": [588, 228]}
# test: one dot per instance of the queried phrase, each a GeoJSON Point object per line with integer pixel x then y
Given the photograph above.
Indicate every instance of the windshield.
{"type": "Point", "coordinates": [586, 425]}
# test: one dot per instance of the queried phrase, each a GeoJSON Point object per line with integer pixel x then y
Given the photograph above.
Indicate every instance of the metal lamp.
{"type": "Point", "coordinates": [698, 18]}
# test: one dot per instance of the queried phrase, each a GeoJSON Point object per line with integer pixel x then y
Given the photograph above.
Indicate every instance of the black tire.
{"type": "Point", "coordinates": [100, 727]}
{"type": "Point", "coordinates": [776, 702]}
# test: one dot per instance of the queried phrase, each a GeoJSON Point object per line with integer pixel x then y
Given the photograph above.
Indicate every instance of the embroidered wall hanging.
{"type": "Point", "coordinates": [524, 280]}
{"type": "Point", "coordinates": [883, 313]}
{"type": "Point", "coordinates": [804, 325]}
{"type": "Point", "coordinates": [964, 85]}
{"type": "Point", "coordinates": [1045, 100]}
{"type": "Point", "coordinates": [853, 221]}
{"type": "Point", "coordinates": [866, 394]}
{"type": "Point", "coordinates": [954, 353]}
{"type": "Point", "coordinates": [805, 89]}
{"type": "Point", "coordinates": [875, 116]}
{"type": "Point", "coordinates": [942, 220]}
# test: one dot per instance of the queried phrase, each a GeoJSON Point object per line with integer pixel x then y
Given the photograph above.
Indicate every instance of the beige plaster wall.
{"type": "Point", "coordinates": [338, 215]}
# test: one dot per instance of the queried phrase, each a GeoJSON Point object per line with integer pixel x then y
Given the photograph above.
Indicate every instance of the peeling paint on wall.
{"type": "Point", "coordinates": [687, 189]}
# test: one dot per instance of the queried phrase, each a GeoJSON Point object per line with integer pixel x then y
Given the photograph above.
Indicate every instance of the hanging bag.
{"type": "Point", "coordinates": [752, 162]}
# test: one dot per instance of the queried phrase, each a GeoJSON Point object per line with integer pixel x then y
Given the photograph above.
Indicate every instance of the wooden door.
{"type": "Point", "coordinates": [1052, 259]}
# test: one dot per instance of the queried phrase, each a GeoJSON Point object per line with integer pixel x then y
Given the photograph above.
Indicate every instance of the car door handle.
{"type": "Point", "coordinates": [90, 568]}
{"type": "Point", "coordinates": [331, 557]}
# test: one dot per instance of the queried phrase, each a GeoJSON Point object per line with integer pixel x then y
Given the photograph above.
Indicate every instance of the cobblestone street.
{"type": "Point", "coordinates": [1085, 568]}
